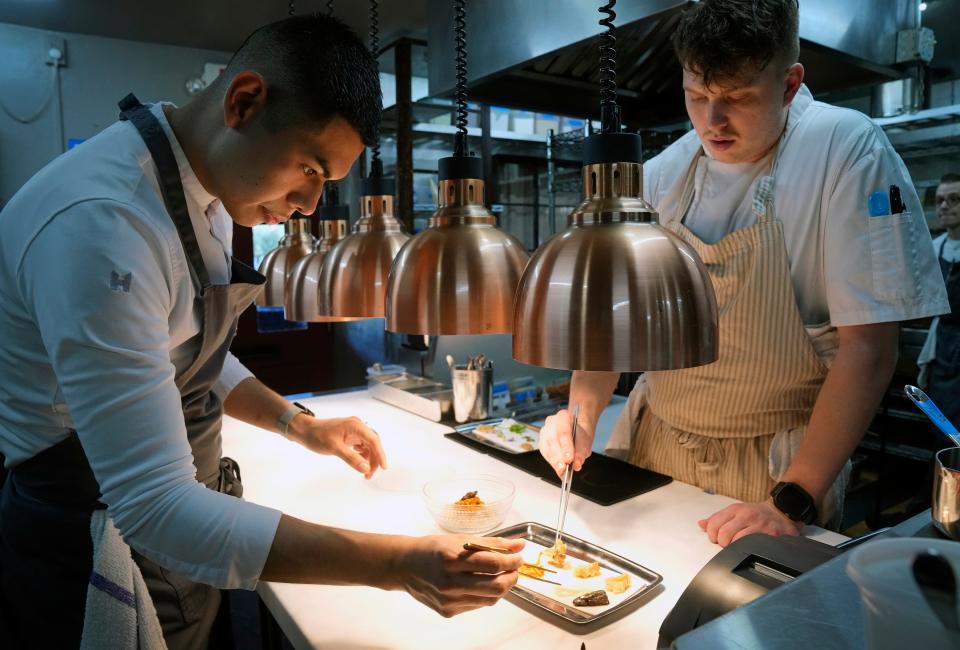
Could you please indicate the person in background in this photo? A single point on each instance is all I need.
(771, 189)
(939, 359)
(119, 298)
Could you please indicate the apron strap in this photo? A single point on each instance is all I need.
(149, 128)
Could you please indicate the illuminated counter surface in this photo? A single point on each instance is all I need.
(657, 529)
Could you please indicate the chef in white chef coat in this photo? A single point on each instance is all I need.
(814, 260)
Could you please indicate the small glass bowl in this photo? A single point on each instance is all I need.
(441, 496)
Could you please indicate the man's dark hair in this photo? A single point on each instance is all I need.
(315, 68)
(950, 178)
(718, 39)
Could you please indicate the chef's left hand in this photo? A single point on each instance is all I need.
(347, 438)
(741, 519)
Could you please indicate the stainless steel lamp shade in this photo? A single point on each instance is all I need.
(276, 265)
(460, 274)
(353, 278)
(300, 300)
(615, 291)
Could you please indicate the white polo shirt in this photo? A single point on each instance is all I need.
(847, 267)
(96, 298)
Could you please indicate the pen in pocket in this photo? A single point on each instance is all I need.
(896, 202)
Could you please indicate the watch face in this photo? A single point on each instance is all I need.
(793, 501)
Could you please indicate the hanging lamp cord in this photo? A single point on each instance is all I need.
(609, 110)
(376, 165)
(329, 7)
(290, 8)
(460, 94)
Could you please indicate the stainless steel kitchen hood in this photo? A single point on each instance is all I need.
(541, 54)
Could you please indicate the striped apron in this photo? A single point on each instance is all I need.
(731, 427)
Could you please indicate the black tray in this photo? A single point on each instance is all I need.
(603, 480)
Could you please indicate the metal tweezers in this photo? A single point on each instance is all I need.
(567, 482)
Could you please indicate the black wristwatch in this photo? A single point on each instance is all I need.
(795, 502)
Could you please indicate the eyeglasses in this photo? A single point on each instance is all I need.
(952, 200)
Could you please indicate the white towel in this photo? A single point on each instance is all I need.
(119, 612)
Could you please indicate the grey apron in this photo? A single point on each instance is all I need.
(45, 547)
(943, 379)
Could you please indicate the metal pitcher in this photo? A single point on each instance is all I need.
(945, 509)
(472, 392)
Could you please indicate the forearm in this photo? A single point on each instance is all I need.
(591, 391)
(310, 553)
(845, 407)
(252, 402)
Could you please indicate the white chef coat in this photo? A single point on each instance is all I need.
(96, 299)
(847, 268)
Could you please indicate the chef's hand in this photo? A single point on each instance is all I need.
(450, 580)
(347, 438)
(741, 519)
(556, 442)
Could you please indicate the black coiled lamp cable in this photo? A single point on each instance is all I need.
(290, 8)
(460, 96)
(609, 110)
(376, 165)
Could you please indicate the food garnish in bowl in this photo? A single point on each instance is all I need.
(469, 499)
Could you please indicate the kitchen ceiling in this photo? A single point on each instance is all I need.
(208, 24)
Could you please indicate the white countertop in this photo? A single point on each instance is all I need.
(657, 529)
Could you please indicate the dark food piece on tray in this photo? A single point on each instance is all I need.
(598, 597)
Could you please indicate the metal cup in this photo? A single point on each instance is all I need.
(472, 392)
(946, 492)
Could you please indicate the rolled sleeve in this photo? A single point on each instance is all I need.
(878, 268)
(233, 373)
(96, 282)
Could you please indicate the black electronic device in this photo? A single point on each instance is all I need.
(603, 480)
(743, 571)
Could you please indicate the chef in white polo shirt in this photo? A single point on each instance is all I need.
(119, 298)
(814, 239)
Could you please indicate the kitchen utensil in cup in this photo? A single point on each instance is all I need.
(945, 506)
(472, 392)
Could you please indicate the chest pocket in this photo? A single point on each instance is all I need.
(893, 247)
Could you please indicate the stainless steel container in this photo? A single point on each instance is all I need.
(946, 492)
(472, 392)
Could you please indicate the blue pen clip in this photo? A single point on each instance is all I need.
(925, 404)
(878, 204)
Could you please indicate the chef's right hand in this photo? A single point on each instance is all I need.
(450, 580)
(556, 441)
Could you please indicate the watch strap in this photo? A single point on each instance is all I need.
(285, 418)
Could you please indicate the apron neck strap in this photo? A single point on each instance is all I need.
(762, 196)
(149, 128)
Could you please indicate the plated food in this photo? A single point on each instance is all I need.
(508, 434)
(577, 581)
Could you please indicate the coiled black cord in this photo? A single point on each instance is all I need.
(290, 8)
(609, 110)
(329, 7)
(460, 95)
(376, 166)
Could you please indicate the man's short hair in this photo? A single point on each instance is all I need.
(315, 68)
(721, 39)
(950, 178)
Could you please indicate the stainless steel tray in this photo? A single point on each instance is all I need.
(425, 397)
(643, 580)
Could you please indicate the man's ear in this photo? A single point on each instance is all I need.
(792, 81)
(245, 98)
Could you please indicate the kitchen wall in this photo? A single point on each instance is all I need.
(98, 73)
